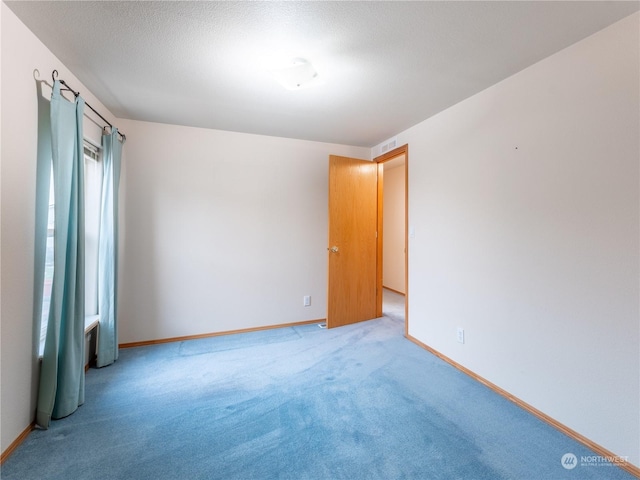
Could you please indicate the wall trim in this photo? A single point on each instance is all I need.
(629, 467)
(394, 290)
(145, 343)
(17, 442)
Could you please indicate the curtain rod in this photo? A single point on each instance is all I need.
(54, 76)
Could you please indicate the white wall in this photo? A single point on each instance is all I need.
(393, 261)
(21, 53)
(221, 230)
(524, 199)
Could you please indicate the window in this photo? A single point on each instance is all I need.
(48, 267)
(92, 196)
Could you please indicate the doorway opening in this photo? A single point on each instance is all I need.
(392, 233)
(393, 305)
(356, 236)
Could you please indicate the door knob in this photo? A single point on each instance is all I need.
(333, 249)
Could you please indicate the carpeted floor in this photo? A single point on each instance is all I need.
(356, 402)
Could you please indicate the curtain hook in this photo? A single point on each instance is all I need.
(54, 75)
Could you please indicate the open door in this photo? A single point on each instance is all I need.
(352, 250)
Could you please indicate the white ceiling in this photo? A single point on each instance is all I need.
(385, 66)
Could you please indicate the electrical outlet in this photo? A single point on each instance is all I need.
(460, 335)
(306, 300)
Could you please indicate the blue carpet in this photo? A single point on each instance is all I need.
(356, 402)
(230, 342)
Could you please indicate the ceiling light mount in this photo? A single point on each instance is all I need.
(299, 73)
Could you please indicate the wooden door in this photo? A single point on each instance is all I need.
(352, 241)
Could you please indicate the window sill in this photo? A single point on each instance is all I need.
(91, 322)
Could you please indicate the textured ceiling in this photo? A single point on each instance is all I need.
(385, 66)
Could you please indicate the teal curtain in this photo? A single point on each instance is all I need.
(108, 250)
(62, 373)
